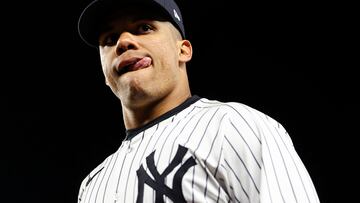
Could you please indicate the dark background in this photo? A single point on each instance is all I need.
(291, 61)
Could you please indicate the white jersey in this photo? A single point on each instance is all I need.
(203, 151)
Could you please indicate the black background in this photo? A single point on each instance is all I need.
(289, 60)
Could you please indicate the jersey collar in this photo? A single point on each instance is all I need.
(132, 132)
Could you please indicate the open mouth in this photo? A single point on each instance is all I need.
(134, 65)
(124, 70)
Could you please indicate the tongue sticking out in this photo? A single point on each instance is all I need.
(143, 63)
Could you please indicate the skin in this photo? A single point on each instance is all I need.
(156, 88)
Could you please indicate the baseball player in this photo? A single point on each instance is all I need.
(180, 147)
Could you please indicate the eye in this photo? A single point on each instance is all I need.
(145, 28)
(109, 39)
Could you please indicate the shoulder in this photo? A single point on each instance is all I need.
(229, 107)
(244, 118)
(234, 110)
(226, 107)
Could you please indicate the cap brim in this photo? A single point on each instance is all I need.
(92, 17)
(90, 20)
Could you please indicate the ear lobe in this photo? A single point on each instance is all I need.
(186, 51)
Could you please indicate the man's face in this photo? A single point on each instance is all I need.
(140, 55)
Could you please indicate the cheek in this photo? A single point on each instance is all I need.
(168, 57)
(167, 71)
(104, 61)
(105, 65)
(110, 78)
(163, 46)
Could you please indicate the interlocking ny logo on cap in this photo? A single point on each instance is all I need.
(176, 15)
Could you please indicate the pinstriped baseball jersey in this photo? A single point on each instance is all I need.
(203, 151)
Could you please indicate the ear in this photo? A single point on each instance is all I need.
(186, 51)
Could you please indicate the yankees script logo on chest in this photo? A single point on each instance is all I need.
(158, 182)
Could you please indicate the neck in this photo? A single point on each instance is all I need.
(141, 115)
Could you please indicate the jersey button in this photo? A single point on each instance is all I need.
(129, 149)
(117, 196)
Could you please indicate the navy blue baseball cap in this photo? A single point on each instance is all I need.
(91, 19)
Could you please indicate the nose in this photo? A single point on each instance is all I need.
(125, 42)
